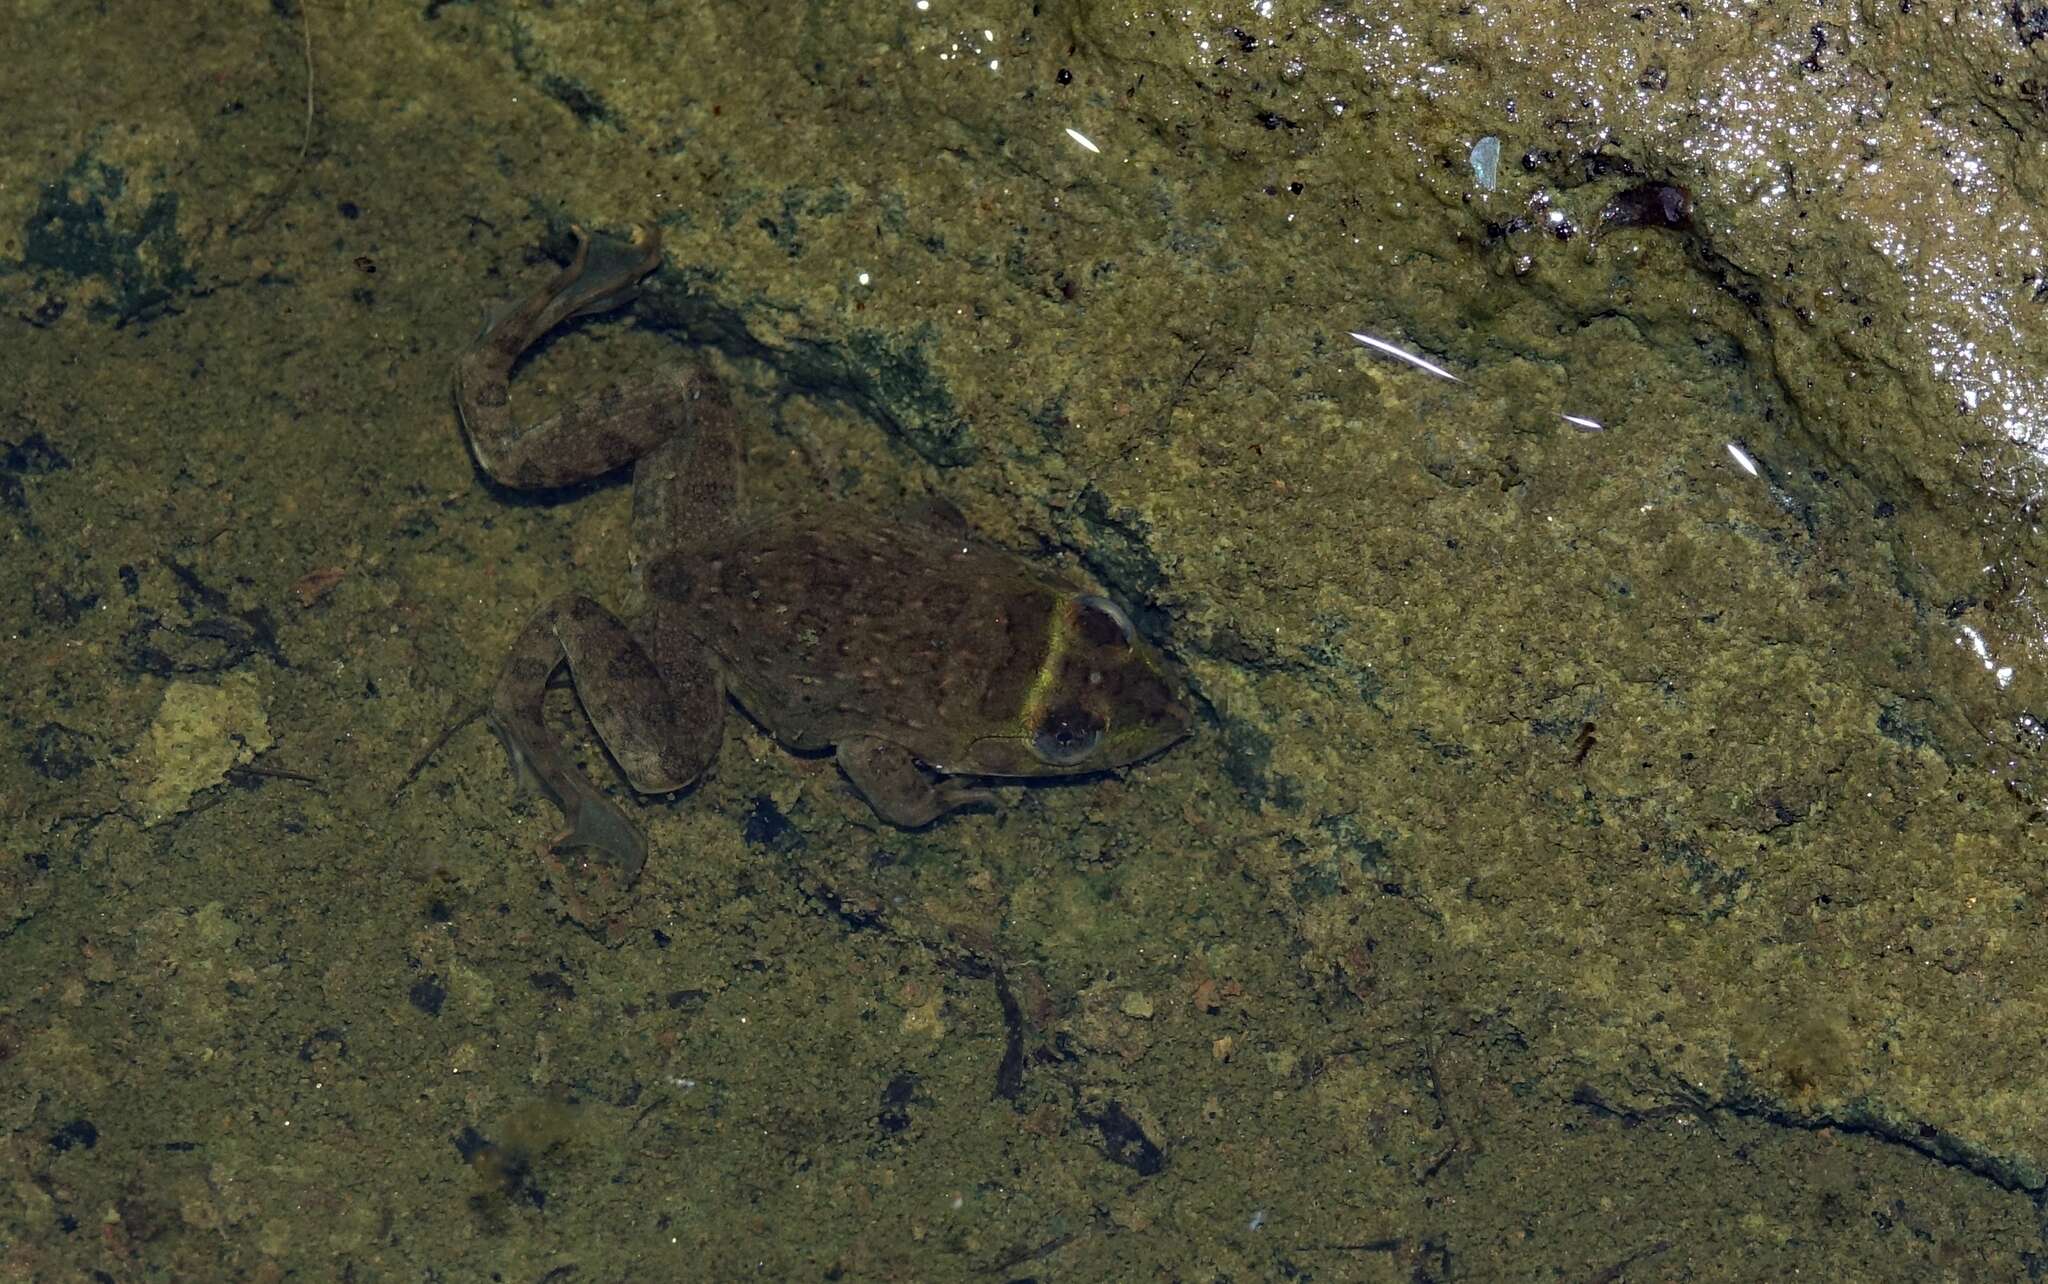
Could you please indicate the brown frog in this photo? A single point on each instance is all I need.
(913, 652)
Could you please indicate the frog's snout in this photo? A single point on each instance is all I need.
(1151, 706)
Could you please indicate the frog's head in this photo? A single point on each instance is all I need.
(1100, 698)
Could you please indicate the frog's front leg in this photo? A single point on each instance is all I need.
(661, 726)
(889, 778)
(596, 434)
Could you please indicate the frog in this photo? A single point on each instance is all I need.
(930, 664)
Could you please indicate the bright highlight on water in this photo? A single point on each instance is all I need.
(1419, 363)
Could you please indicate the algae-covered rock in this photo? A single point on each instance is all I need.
(200, 732)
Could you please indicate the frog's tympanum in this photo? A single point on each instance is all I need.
(912, 651)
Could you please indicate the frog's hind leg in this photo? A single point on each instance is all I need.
(687, 490)
(591, 436)
(662, 733)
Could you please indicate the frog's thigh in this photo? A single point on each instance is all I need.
(589, 437)
(889, 778)
(688, 487)
(661, 726)
(663, 734)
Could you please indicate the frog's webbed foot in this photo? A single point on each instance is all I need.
(603, 273)
(603, 828)
(662, 731)
(889, 778)
(595, 434)
(594, 822)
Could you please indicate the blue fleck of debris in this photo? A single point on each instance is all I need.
(1486, 161)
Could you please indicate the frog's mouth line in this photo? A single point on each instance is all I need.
(991, 757)
(1086, 775)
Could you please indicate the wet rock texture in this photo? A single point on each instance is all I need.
(1613, 847)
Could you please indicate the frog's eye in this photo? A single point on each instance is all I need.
(1066, 736)
(1103, 623)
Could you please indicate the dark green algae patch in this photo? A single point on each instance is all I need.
(78, 235)
(1596, 860)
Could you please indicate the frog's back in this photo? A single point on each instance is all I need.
(839, 624)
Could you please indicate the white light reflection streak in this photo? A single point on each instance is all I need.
(1741, 457)
(1082, 139)
(2002, 674)
(1419, 363)
(1582, 423)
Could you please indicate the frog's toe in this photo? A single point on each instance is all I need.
(953, 796)
(606, 272)
(604, 829)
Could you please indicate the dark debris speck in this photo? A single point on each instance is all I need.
(469, 1143)
(2030, 23)
(552, 983)
(59, 753)
(1125, 1142)
(76, 1134)
(428, 995)
(766, 826)
(896, 1099)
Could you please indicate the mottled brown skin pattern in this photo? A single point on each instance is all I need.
(914, 652)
